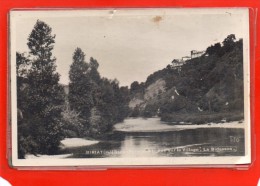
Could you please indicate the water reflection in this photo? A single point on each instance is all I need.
(190, 142)
(137, 146)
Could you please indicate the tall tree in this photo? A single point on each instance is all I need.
(81, 87)
(45, 94)
(229, 42)
(100, 102)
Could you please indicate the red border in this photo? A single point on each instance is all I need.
(169, 176)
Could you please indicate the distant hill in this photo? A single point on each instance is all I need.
(209, 84)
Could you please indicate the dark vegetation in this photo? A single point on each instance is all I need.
(205, 89)
(40, 97)
(202, 117)
(99, 102)
(48, 112)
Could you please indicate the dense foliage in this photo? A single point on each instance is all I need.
(100, 102)
(211, 83)
(40, 97)
(48, 112)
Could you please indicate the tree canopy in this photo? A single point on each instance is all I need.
(43, 96)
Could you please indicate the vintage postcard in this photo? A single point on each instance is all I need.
(130, 87)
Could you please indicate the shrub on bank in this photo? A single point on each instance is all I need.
(202, 118)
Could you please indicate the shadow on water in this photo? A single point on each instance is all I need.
(190, 142)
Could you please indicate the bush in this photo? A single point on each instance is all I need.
(202, 118)
(72, 123)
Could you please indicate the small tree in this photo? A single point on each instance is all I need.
(134, 87)
(73, 124)
(22, 63)
(229, 42)
(26, 144)
(229, 39)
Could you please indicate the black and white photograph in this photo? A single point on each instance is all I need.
(130, 87)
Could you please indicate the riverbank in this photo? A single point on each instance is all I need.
(67, 143)
(202, 118)
(156, 125)
(44, 156)
(76, 142)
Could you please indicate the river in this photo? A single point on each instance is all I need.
(138, 137)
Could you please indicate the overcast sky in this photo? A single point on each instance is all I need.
(129, 45)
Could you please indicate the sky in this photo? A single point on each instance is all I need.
(128, 44)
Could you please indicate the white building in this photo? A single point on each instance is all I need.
(195, 53)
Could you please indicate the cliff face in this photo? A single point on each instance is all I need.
(209, 83)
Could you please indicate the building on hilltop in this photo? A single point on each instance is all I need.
(177, 63)
(195, 53)
(185, 58)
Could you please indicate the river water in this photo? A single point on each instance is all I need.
(152, 138)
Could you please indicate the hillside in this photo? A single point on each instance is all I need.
(209, 85)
